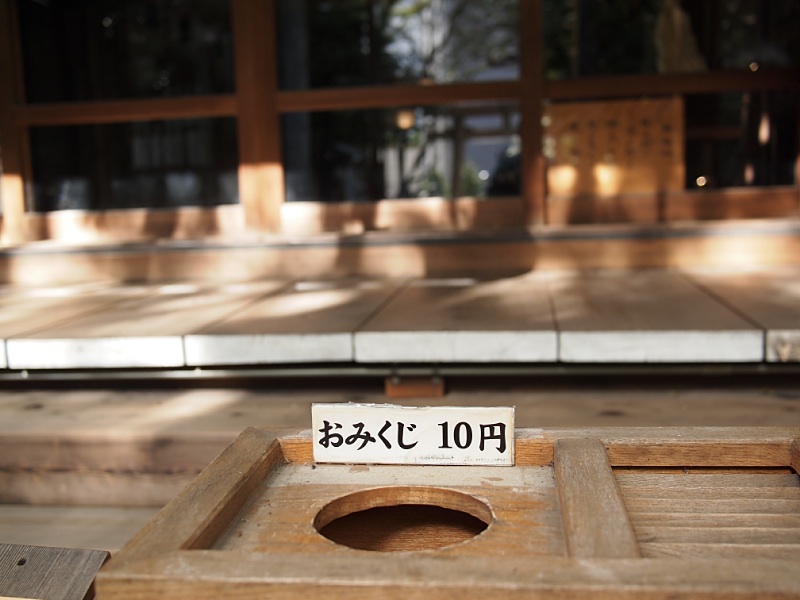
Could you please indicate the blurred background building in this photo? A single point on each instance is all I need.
(151, 120)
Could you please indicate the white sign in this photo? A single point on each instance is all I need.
(399, 435)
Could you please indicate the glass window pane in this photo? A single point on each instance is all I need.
(113, 49)
(368, 155)
(154, 164)
(740, 139)
(585, 38)
(365, 42)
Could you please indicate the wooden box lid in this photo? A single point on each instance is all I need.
(591, 513)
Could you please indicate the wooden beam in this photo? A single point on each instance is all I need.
(795, 456)
(394, 95)
(532, 165)
(596, 523)
(215, 496)
(261, 186)
(12, 137)
(123, 111)
(715, 82)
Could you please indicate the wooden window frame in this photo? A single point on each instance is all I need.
(258, 104)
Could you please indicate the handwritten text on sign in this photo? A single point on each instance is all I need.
(398, 435)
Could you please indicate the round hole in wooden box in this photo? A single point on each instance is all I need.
(403, 519)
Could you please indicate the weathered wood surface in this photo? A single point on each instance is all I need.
(771, 299)
(246, 525)
(311, 321)
(586, 317)
(648, 316)
(143, 332)
(99, 527)
(714, 515)
(48, 573)
(462, 320)
(596, 523)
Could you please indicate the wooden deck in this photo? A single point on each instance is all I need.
(598, 317)
(88, 467)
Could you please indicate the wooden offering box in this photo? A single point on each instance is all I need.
(617, 513)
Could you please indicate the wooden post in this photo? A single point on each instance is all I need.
(596, 523)
(12, 136)
(532, 163)
(261, 187)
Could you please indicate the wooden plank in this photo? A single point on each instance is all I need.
(719, 535)
(312, 321)
(794, 461)
(28, 312)
(721, 551)
(145, 332)
(198, 515)
(622, 86)
(112, 448)
(670, 446)
(716, 505)
(711, 520)
(638, 479)
(769, 298)
(394, 95)
(100, 527)
(48, 573)
(462, 320)
(596, 523)
(80, 487)
(125, 111)
(207, 574)
(649, 316)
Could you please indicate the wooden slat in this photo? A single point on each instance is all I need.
(394, 95)
(794, 461)
(653, 316)
(312, 321)
(205, 575)
(197, 516)
(719, 535)
(144, 332)
(461, 320)
(124, 111)
(638, 479)
(710, 492)
(720, 551)
(113, 448)
(24, 313)
(770, 299)
(80, 487)
(652, 447)
(100, 527)
(596, 523)
(671, 84)
(712, 520)
(48, 573)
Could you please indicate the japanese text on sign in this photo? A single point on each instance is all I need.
(384, 434)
